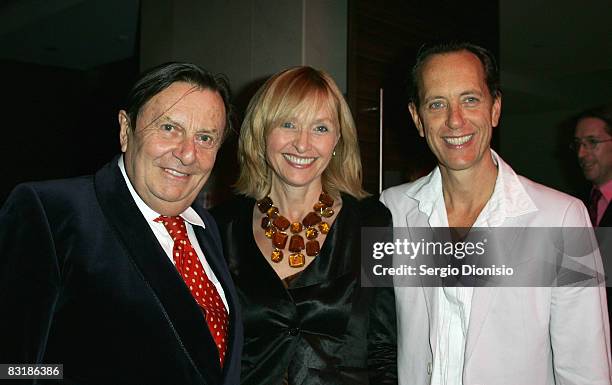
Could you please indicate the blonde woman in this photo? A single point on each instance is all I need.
(292, 240)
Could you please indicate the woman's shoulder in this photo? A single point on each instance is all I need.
(370, 210)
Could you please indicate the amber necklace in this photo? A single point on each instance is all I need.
(275, 225)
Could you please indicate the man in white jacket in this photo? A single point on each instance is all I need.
(487, 335)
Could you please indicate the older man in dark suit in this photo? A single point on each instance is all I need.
(116, 275)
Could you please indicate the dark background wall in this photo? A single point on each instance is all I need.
(60, 122)
(384, 38)
(67, 65)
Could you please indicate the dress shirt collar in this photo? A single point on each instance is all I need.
(189, 214)
(606, 190)
(431, 199)
(509, 198)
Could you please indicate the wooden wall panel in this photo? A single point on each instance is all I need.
(384, 37)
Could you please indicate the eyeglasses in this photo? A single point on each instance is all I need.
(589, 143)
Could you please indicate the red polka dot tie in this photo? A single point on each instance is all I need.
(201, 288)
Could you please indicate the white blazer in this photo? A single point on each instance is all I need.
(516, 335)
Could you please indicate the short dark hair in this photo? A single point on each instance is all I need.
(484, 55)
(603, 113)
(157, 79)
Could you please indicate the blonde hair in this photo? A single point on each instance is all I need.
(298, 89)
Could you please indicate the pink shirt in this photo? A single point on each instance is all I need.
(602, 205)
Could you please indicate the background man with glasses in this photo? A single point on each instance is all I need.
(593, 146)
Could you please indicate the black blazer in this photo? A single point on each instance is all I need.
(324, 328)
(604, 238)
(85, 283)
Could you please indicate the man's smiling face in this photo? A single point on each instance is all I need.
(457, 112)
(172, 150)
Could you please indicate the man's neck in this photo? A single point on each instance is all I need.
(466, 192)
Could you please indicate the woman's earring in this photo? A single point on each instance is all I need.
(334, 153)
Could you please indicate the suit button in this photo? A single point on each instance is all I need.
(429, 368)
(294, 331)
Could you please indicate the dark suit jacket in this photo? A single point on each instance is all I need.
(604, 237)
(85, 283)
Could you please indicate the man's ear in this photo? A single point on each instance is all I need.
(496, 110)
(414, 112)
(124, 130)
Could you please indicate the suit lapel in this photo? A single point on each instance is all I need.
(157, 271)
(482, 298)
(502, 244)
(417, 230)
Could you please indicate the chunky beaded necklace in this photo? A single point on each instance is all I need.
(274, 225)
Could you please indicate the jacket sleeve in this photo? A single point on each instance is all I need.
(382, 337)
(382, 331)
(29, 277)
(579, 326)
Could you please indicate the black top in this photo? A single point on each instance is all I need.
(323, 328)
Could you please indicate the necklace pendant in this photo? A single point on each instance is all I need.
(324, 227)
(311, 233)
(312, 248)
(326, 199)
(296, 227)
(296, 244)
(311, 219)
(279, 239)
(281, 222)
(277, 255)
(327, 212)
(264, 204)
(270, 231)
(297, 260)
(265, 223)
(272, 212)
(278, 228)
(318, 206)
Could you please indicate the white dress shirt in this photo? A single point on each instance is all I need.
(191, 219)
